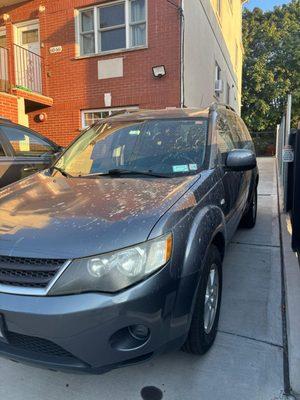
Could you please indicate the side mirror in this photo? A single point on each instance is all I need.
(58, 151)
(241, 160)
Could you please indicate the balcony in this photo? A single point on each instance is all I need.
(22, 73)
(28, 70)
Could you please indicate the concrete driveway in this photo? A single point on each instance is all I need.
(246, 362)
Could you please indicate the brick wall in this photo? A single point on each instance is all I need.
(9, 107)
(73, 83)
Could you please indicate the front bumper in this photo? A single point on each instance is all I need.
(74, 332)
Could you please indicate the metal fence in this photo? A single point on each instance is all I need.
(4, 75)
(293, 189)
(265, 143)
(281, 141)
(28, 67)
(288, 157)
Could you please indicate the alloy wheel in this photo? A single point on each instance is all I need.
(211, 298)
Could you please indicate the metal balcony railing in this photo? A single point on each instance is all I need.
(4, 74)
(28, 69)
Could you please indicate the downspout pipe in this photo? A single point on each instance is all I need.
(182, 42)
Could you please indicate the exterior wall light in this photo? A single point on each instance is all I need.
(42, 117)
(6, 17)
(159, 71)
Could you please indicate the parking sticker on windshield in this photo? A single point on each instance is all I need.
(193, 167)
(180, 168)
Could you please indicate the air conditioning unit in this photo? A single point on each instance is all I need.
(219, 86)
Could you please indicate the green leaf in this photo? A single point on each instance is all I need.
(271, 66)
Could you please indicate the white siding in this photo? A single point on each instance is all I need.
(204, 46)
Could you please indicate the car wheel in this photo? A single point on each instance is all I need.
(249, 219)
(206, 313)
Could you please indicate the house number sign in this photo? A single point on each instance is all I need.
(56, 49)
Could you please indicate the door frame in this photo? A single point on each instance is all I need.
(28, 72)
(18, 29)
(3, 31)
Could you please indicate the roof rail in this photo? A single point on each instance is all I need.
(4, 118)
(215, 105)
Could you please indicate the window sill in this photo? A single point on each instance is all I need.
(105, 53)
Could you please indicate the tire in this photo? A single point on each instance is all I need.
(249, 219)
(202, 335)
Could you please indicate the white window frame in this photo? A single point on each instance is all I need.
(128, 24)
(79, 32)
(218, 76)
(24, 26)
(109, 110)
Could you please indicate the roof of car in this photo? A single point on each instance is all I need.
(161, 114)
(6, 120)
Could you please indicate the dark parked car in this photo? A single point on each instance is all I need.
(23, 152)
(114, 254)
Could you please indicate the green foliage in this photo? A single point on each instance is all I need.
(271, 65)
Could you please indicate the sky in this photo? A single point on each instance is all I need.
(265, 4)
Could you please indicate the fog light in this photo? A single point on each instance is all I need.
(139, 332)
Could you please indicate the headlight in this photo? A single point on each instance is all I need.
(114, 271)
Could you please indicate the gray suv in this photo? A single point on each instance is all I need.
(114, 254)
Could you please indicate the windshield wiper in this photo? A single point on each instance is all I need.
(117, 171)
(62, 171)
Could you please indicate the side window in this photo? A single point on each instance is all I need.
(26, 144)
(225, 141)
(2, 153)
(237, 133)
(248, 142)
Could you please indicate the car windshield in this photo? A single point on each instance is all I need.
(169, 147)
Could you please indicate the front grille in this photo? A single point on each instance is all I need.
(28, 272)
(37, 345)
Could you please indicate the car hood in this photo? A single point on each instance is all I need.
(56, 217)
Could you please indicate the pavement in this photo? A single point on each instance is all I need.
(246, 362)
